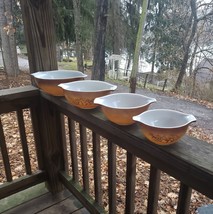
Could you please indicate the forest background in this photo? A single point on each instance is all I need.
(177, 39)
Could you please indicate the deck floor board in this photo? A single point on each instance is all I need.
(61, 203)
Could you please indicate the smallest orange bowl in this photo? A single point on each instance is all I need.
(164, 126)
(82, 93)
(119, 108)
(48, 81)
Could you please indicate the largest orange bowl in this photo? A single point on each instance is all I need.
(48, 81)
(82, 93)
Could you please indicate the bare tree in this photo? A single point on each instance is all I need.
(192, 29)
(78, 42)
(8, 38)
(98, 72)
(138, 47)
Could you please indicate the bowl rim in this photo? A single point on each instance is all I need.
(99, 101)
(42, 75)
(191, 118)
(66, 86)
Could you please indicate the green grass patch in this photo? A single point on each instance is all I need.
(71, 65)
(68, 65)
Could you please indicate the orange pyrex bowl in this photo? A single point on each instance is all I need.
(48, 81)
(82, 93)
(119, 108)
(164, 126)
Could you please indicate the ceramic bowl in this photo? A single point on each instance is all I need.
(119, 108)
(164, 126)
(48, 81)
(82, 93)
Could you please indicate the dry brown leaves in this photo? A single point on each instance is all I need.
(168, 197)
(201, 102)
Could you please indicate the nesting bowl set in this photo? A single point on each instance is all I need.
(160, 126)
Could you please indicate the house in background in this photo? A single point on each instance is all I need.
(204, 73)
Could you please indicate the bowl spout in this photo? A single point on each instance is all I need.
(190, 118)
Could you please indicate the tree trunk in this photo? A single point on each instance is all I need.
(138, 47)
(78, 43)
(115, 23)
(9, 53)
(99, 40)
(40, 34)
(193, 57)
(12, 38)
(187, 47)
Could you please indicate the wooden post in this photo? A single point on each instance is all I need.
(40, 34)
(164, 85)
(52, 144)
(145, 80)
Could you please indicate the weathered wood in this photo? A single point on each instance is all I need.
(24, 141)
(18, 98)
(130, 183)
(189, 160)
(184, 199)
(164, 85)
(84, 157)
(145, 81)
(3, 149)
(63, 202)
(79, 193)
(97, 167)
(52, 143)
(74, 157)
(64, 142)
(18, 198)
(22, 183)
(154, 187)
(112, 176)
(39, 34)
(34, 112)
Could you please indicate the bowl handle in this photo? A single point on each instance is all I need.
(191, 118)
(98, 100)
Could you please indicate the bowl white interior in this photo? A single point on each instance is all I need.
(164, 118)
(124, 100)
(87, 86)
(58, 74)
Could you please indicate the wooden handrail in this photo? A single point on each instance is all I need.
(17, 99)
(190, 160)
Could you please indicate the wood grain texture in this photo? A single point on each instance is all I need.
(189, 160)
(39, 34)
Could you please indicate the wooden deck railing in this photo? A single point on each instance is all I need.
(16, 100)
(69, 150)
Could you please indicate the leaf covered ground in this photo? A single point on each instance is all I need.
(169, 186)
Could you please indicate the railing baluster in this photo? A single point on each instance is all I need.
(64, 142)
(154, 186)
(34, 112)
(97, 167)
(24, 141)
(184, 199)
(5, 156)
(74, 156)
(84, 157)
(112, 176)
(130, 183)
